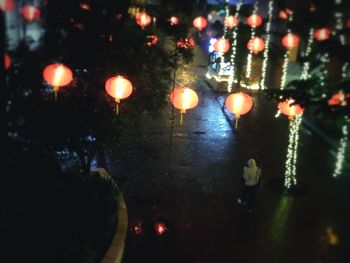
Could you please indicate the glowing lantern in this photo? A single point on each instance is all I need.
(174, 21)
(312, 7)
(7, 61)
(290, 41)
(119, 88)
(239, 104)
(339, 99)
(137, 228)
(6, 5)
(57, 75)
(322, 34)
(290, 110)
(254, 20)
(30, 13)
(85, 6)
(143, 20)
(283, 15)
(200, 23)
(152, 40)
(348, 23)
(160, 228)
(231, 21)
(183, 99)
(256, 45)
(222, 45)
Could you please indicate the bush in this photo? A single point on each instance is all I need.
(50, 216)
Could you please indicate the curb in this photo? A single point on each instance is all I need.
(115, 251)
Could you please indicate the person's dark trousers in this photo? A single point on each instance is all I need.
(248, 196)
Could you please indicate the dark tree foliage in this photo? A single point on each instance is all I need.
(96, 44)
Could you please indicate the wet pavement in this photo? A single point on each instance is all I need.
(190, 180)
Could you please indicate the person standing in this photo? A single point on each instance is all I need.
(251, 177)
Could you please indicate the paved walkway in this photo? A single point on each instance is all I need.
(196, 196)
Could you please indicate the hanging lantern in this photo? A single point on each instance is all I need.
(6, 5)
(119, 88)
(222, 45)
(254, 20)
(340, 99)
(183, 99)
(239, 104)
(85, 6)
(290, 110)
(283, 15)
(151, 40)
(57, 75)
(30, 13)
(160, 228)
(174, 21)
(348, 23)
(312, 7)
(256, 45)
(7, 61)
(322, 34)
(231, 22)
(290, 41)
(200, 23)
(143, 20)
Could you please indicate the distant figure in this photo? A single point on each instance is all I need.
(251, 177)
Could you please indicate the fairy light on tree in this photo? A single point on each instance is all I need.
(252, 35)
(339, 22)
(324, 70)
(234, 50)
(267, 45)
(294, 113)
(290, 41)
(306, 64)
(340, 158)
(227, 13)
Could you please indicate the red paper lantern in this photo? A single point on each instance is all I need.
(290, 110)
(151, 40)
(200, 23)
(30, 13)
(283, 15)
(339, 99)
(239, 103)
(256, 45)
(160, 228)
(255, 20)
(231, 22)
(143, 20)
(6, 5)
(312, 7)
(85, 6)
(322, 34)
(184, 99)
(174, 21)
(119, 88)
(222, 45)
(290, 41)
(57, 75)
(7, 61)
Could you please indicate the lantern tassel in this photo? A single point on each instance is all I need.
(117, 109)
(181, 119)
(55, 91)
(236, 123)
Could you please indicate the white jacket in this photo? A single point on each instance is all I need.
(251, 173)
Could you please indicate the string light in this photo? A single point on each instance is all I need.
(227, 13)
(341, 152)
(324, 71)
(286, 58)
(340, 158)
(339, 24)
(252, 35)
(306, 65)
(267, 45)
(233, 54)
(292, 152)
